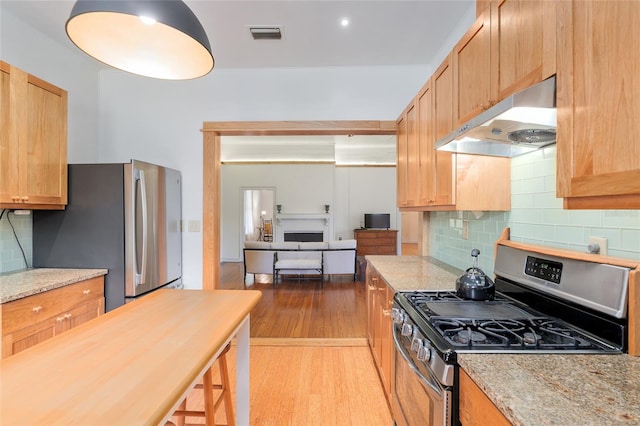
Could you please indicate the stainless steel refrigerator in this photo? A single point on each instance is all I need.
(122, 217)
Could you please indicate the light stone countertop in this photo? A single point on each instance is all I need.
(533, 389)
(16, 285)
(566, 389)
(410, 273)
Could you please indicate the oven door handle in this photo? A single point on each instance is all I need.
(432, 385)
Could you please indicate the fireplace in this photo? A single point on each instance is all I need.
(303, 227)
(314, 237)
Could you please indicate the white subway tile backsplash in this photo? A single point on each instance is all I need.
(536, 217)
(630, 239)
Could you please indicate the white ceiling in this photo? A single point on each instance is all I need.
(380, 33)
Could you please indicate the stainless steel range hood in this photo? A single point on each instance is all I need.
(522, 123)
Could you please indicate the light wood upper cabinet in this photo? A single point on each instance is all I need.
(446, 181)
(523, 37)
(442, 105)
(401, 162)
(428, 168)
(472, 71)
(33, 154)
(598, 153)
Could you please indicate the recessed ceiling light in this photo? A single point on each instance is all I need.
(344, 22)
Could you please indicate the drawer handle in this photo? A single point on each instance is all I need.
(60, 319)
(25, 198)
(67, 316)
(87, 291)
(37, 309)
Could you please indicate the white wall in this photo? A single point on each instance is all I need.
(160, 121)
(350, 191)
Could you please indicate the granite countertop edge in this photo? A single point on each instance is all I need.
(533, 389)
(20, 284)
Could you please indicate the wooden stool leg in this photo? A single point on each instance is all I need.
(226, 389)
(181, 407)
(209, 403)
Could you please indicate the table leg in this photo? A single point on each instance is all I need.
(242, 374)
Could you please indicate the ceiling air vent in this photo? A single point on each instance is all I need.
(266, 33)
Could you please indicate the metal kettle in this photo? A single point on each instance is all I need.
(474, 284)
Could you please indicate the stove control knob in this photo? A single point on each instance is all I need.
(424, 353)
(416, 344)
(398, 315)
(407, 329)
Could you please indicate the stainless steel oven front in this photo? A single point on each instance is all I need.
(423, 383)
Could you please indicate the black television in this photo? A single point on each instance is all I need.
(377, 220)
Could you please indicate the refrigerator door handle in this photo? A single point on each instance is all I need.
(141, 272)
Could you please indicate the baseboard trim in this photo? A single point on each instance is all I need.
(293, 341)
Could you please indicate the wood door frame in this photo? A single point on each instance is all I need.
(212, 132)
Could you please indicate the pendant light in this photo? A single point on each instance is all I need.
(153, 38)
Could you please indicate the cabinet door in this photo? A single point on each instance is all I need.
(413, 157)
(475, 408)
(442, 85)
(27, 337)
(371, 306)
(401, 164)
(473, 91)
(427, 173)
(523, 37)
(386, 300)
(9, 152)
(598, 154)
(44, 180)
(79, 315)
(33, 155)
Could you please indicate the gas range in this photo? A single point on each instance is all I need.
(544, 303)
(455, 325)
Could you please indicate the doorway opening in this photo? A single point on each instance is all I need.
(258, 212)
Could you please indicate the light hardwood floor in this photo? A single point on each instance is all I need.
(310, 363)
(303, 309)
(308, 385)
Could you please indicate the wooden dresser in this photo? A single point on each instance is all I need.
(376, 241)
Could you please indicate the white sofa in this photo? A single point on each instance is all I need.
(300, 258)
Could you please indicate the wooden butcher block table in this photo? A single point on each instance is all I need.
(131, 366)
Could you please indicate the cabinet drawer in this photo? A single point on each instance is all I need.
(30, 310)
(83, 292)
(382, 241)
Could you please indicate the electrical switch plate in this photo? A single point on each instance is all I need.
(194, 226)
(601, 242)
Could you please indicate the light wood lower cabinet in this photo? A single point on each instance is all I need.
(34, 319)
(379, 326)
(475, 408)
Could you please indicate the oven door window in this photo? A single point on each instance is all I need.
(419, 397)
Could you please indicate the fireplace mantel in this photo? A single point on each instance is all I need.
(303, 216)
(303, 222)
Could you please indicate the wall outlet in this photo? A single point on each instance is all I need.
(600, 242)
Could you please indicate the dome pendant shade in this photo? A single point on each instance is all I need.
(153, 38)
